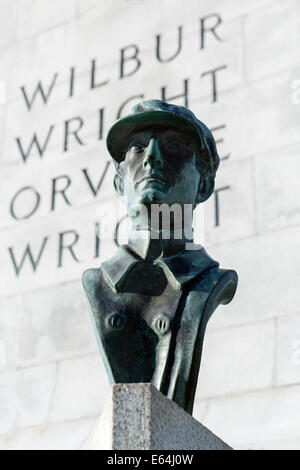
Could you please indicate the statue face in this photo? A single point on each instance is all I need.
(160, 167)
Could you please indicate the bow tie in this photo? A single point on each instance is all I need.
(143, 278)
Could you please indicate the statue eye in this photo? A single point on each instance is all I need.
(177, 147)
(137, 147)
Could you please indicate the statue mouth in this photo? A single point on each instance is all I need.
(153, 178)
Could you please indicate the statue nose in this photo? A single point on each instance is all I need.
(153, 157)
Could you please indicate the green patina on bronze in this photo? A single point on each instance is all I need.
(150, 303)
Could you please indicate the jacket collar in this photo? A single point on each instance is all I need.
(179, 269)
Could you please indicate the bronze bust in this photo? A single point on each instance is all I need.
(150, 303)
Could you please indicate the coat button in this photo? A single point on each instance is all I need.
(116, 321)
(162, 324)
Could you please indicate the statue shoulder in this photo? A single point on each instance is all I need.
(90, 277)
(220, 284)
(223, 286)
(95, 283)
(214, 287)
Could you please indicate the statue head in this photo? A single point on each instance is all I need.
(163, 155)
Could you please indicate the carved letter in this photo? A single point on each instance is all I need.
(182, 95)
(94, 189)
(39, 89)
(72, 79)
(59, 191)
(69, 247)
(33, 210)
(27, 253)
(214, 81)
(74, 132)
(158, 45)
(93, 76)
(97, 242)
(34, 142)
(204, 29)
(101, 119)
(217, 206)
(124, 59)
(221, 139)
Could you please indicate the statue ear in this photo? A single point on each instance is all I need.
(206, 187)
(118, 184)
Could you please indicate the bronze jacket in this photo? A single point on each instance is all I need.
(150, 318)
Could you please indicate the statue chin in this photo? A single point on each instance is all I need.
(153, 196)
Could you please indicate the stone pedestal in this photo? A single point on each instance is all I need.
(138, 417)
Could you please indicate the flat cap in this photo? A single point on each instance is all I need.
(161, 114)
